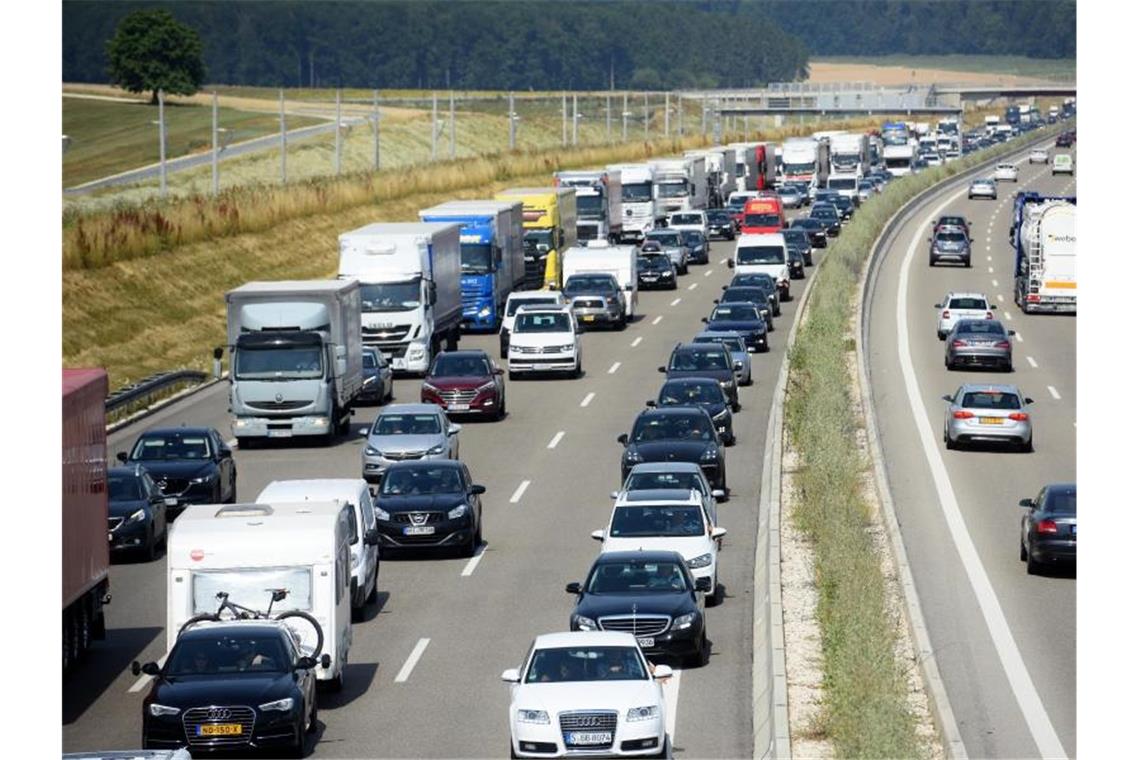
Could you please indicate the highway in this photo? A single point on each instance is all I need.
(1005, 641)
(423, 678)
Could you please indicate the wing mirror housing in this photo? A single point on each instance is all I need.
(326, 661)
(598, 535)
(1026, 503)
(574, 588)
(623, 439)
(511, 675)
(454, 429)
(150, 668)
(948, 398)
(364, 432)
(476, 490)
(305, 663)
(718, 532)
(122, 457)
(731, 264)
(1028, 401)
(718, 493)
(651, 403)
(661, 672)
(704, 584)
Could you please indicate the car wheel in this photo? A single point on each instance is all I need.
(941, 335)
(931, 261)
(1032, 566)
(502, 412)
(701, 657)
(674, 285)
(1021, 549)
(1009, 366)
(297, 749)
(375, 591)
(151, 551)
(512, 375)
(514, 755)
(951, 444)
(967, 262)
(233, 492)
(1027, 447)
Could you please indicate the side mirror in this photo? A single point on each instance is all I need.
(938, 306)
(719, 532)
(326, 661)
(738, 365)
(364, 432)
(705, 320)
(948, 399)
(511, 675)
(723, 287)
(651, 403)
(661, 369)
(574, 588)
(476, 490)
(1025, 503)
(1028, 401)
(371, 537)
(1011, 332)
(454, 429)
(306, 663)
(930, 240)
(598, 535)
(218, 353)
(623, 439)
(121, 456)
(731, 264)
(613, 494)
(225, 454)
(661, 672)
(497, 370)
(717, 300)
(704, 584)
(718, 493)
(993, 305)
(150, 668)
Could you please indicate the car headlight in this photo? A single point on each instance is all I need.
(137, 516)
(583, 623)
(371, 452)
(382, 514)
(567, 348)
(203, 478)
(458, 512)
(487, 386)
(436, 449)
(429, 387)
(710, 455)
(369, 380)
(726, 384)
(533, 716)
(682, 622)
(631, 455)
(702, 561)
(280, 705)
(649, 712)
(159, 711)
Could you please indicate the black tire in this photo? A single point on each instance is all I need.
(1009, 366)
(512, 375)
(950, 444)
(1032, 566)
(1027, 447)
(502, 410)
(674, 285)
(966, 263)
(701, 657)
(150, 551)
(233, 492)
(336, 685)
(931, 261)
(371, 598)
(1021, 549)
(313, 716)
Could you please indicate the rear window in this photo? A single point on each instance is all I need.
(514, 304)
(686, 219)
(990, 400)
(978, 327)
(976, 304)
(1061, 501)
(951, 237)
(696, 360)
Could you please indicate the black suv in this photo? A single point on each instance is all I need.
(721, 224)
(703, 392)
(756, 295)
(758, 280)
(655, 270)
(190, 465)
(829, 215)
(429, 504)
(704, 360)
(797, 238)
(678, 433)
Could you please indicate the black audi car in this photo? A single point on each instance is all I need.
(190, 465)
(743, 318)
(655, 270)
(712, 360)
(650, 594)
(682, 434)
(231, 687)
(756, 295)
(795, 263)
(136, 512)
(698, 246)
(758, 280)
(816, 230)
(721, 224)
(829, 215)
(429, 504)
(703, 392)
(1049, 528)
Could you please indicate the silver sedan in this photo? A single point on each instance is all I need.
(983, 188)
(979, 343)
(978, 413)
(407, 431)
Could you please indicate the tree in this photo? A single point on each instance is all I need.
(153, 51)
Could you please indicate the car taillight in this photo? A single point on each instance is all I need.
(1047, 526)
(1004, 344)
(959, 344)
(989, 315)
(1019, 416)
(963, 415)
(946, 315)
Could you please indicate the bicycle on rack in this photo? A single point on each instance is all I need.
(240, 612)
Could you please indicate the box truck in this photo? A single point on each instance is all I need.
(603, 258)
(720, 173)
(597, 195)
(682, 183)
(747, 165)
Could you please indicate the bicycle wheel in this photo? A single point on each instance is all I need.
(312, 621)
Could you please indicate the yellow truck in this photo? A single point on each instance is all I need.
(550, 226)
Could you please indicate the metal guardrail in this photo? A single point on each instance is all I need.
(144, 389)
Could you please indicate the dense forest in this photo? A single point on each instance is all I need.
(576, 45)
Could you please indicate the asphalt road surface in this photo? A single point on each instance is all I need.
(557, 456)
(1005, 641)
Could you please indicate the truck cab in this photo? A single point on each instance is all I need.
(763, 215)
(641, 210)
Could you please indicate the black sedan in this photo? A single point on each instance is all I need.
(136, 512)
(698, 246)
(703, 392)
(721, 224)
(795, 263)
(761, 280)
(759, 297)
(650, 594)
(681, 434)
(429, 504)
(655, 270)
(815, 228)
(829, 215)
(1049, 528)
(232, 687)
(743, 318)
(711, 360)
(798, 238)
(190, 465)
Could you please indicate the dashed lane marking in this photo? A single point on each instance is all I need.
(691, 287)
(517, 495)
(614, 368)
(586, 401)
(636, 342)
(1032, 361)
(1053, 392)
(675, 301)
(557, 437)
(413, 658)
(656, 319)
(474, 561)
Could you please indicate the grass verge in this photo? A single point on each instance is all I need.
(865, 710)
(1061, 69)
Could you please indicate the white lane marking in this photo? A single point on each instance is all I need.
(1019, 338)
(613, 369)
(474, 561)
(724, 261)
(1053, 392)
(708, 273)
(141, 684)
(995, 282)
(1033, 710)
(1001, 298)
(1007, 315)
(586, 401)
(990, 258)
(672, 689)
(991, 270)
(692, 287)
(636, 342)
(413, 658)
(656, 319)
(557, 437)
(1032, 361)
(519, 492)
(675, 301)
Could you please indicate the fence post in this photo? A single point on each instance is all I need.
(624, 116)
(451, 106)
(609, 130)
(666, 114)
(575, 127)
(646, 115)
(336, 158)
(434, 124)
(511, 117)
(214, 147)
(281, 106)
(376, 130)
(162, 143)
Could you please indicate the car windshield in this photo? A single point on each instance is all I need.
(369, 360)
(171, 446)
(693, 239)
(761, 220)
(950, 237)
(637, 576)
(672, 427)
(406, 424)
(421, 481)
(653, 263)
(671, 522)
(976, 304)
(698, 359)
(979, 327)
(389, 296)
(735, 311)
(514, 304)
(272, 362)
(539, 323)
(229, 655)
(666, 238)
(796, 236)
(672, 190)
(845, 183)
(681, 392)
(807, 223)
(736, 202)
(123, 488)
(802, 168)
(990, 400)
(685, 219)
(1061, 501)
(450, 365)
(572, 664)
(956, 221)
(589, 206)
(588, 283)
(734, 344)
(760, 254)
(744, 295)
(682, 481)
(755, 280)
(637, 192)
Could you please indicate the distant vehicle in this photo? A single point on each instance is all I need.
(704, 392)
(655, 270)
(136, 512)
(982, 188)
(763, 215)
(961, 305)
(798, 238)
(741, 359)
(743, 318)
(766, 254)
(688, 220)
(790, 196)
(1039, 156)
(190, 465)
(950, 243)
(1005, 173)
(795, 263)
(377, 376)
(979, 413)
(698, 245)
(1049, 528)
(407, 431)
(466, 382)
(545, 340)
(758, 295)
(721, 225)
(829, 215)
(1062, 164)
(1044, 239)
(979, 343)
(1064, 140)
(815, 228)
(683, 434)
(865, 189)
(429, 505)
(596, 299)
(759, 280)
(674, 245)
(704, 360)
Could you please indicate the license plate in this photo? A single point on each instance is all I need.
(992, 420)
(579, 738)
(419, 530)
(170, 502)
(588, 317)
(645, 641)
(220, 729)
(279, 433)
(458, 407)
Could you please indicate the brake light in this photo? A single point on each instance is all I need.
(1047, 526)
(989, 315)
(1033, 298)
(1003, 344)
(1019, 417)
(959, 344)
(962, 414)
(946, 314)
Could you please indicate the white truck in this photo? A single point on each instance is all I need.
(682, 183)
(747, 165)
(598, 195)
(296, 364)
(1044, 238)
(806, 160)
(850, 154)
(248, 550)
(899, 159)
(600, 257)
(409, 274)
(641, 209)
(720, 172)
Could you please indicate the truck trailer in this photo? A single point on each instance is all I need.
(597, 196)
(641, 209)
(1044, 240)
(550, 226)
(682, 184)
(720, 173)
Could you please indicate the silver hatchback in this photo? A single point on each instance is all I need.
(979, 413)
(407, 431)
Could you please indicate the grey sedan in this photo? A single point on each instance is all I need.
(979, 343)
(979, 413)
(407, 431)
(983, 188)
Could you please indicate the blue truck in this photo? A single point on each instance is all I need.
(491, 248)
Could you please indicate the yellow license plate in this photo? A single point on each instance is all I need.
(220, 729)
(588, 317)
(992, 420)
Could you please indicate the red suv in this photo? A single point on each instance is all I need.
(465, 382)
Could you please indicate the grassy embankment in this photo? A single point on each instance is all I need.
(865, 711)
(1061, 69)
(143, 286)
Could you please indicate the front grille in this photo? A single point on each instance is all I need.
(172, 486)
(418, 518)
(552, 349)
(527, 349)
(641, 625)
(198, 716)
(458, 396)
(544, 360)
(399, 456)
(600, 720)
(114, 522)
(277, 406)
(377, 334)
(589, 303)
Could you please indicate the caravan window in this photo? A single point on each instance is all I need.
(251, 588)
(353, 531)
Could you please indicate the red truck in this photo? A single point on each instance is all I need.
(766, 166)
(86, 559)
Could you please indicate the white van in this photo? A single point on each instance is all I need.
(364, 536)
(767, 253)
(524, 298)
(247, 549)
(598, 256)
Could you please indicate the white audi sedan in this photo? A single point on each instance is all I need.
(587, 693)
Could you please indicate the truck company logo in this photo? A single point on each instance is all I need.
(1061, 238)
(470, 238)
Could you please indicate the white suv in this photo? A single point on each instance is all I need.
(545, 339)
(957, 306)
(1007, 172)
(666, 520)
(689, 220)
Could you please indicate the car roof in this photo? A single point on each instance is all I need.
(966, 294)
(553, 294)
(409, 409)
(670, 495)
(691, 346)
(983, 387)
(584, 638)
(316, 489)
(717, 334)
(764, 238)
(675, 410)
(545, 309)
(425, 464)
(467, 353)
(666, 467)
(181, 430)
(211, 629)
